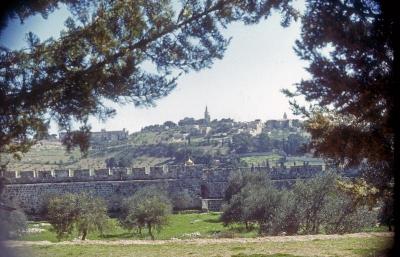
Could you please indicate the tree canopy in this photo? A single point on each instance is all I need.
(352, 48)
(82, 212)
(101, 55)
(148, 207)
(306, 207)
(351, 51)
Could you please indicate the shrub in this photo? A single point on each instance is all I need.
(182, 200)
(13, 224)
(233, 212)
(13, 221)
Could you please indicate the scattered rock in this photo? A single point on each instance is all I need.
(34, 230)
(191, 235)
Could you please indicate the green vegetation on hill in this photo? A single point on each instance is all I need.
(223, 142)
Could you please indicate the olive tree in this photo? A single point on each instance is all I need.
(252, 198)
(343, 215)
(62, 212)
(92, 215)
(233, 211)
(311, 196)
(148, 207)
(322, 203)
(83, 212)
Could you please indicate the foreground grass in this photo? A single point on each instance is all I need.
(180, 226)
(352, 247)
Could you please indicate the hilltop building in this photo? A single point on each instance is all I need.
(254, 128)
(189, 162)
(207, 117)
(284, 123)
(204, 130)
(103, 136)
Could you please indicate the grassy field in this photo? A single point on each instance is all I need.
(181, 226)
(345, 246)
(260, 159)
(198, 234)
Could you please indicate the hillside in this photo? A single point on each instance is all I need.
(217, 142)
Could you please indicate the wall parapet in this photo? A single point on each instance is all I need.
(114, 174)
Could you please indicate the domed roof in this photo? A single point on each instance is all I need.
(189, 162)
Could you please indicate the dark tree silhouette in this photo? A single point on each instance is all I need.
(351, 51)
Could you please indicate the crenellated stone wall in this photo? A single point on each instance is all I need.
(31, 189)
(32, 197)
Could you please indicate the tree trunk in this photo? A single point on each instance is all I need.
(150, 233)
(84, 234)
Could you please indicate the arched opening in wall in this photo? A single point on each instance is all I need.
(204, 191)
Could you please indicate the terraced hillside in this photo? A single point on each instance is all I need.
(218, 142)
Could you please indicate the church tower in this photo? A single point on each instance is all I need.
(207, 117)
(285, 116)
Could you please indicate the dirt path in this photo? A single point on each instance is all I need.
(202, 241)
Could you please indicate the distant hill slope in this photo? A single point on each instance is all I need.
(223, 142)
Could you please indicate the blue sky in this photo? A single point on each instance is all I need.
(244, 85)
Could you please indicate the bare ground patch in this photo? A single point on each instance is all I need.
(204, 241)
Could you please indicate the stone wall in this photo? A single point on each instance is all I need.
(33, 197)
(30, 189)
